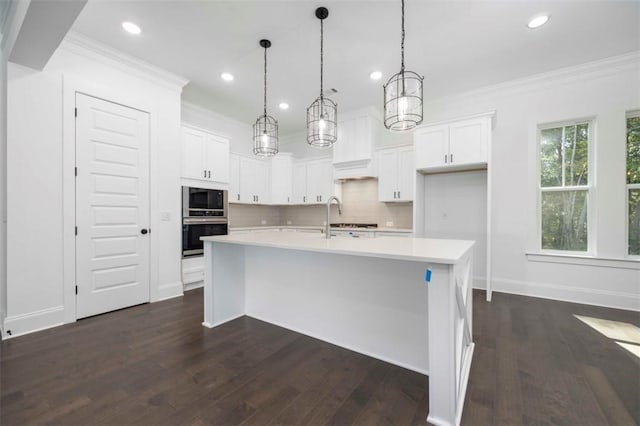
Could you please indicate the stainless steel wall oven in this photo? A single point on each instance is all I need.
(204, 213)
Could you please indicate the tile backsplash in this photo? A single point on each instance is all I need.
(359, 204)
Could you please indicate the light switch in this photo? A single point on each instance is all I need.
(165, 216)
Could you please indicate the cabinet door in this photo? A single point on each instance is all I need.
(432, 147)
(388, 175)
(261, 181)
(193, 142)
(216, 158)
(341, 149)
(247, 179)
(406, 174)
(319, 181)
(299, 184)
(234, 179)
(468, 141)
(281, 174)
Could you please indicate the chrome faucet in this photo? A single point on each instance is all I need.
(327, 230)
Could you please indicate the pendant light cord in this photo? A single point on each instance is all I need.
(402, 42)
(321, 56)
(265, 81)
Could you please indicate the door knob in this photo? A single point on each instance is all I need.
(143, 231)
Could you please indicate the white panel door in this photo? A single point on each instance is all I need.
(112, 206)
(388, 175)
(468, 142)
(193, 142)
(216, 154)
(432, 147)
(406, 174)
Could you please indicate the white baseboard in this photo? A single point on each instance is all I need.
(193, 285)
(18, 325)
(596, 297)
(169, 291)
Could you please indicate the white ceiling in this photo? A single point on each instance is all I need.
(456, 45)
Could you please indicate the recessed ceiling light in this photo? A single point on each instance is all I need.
(376, 75)
(284, 105)
(132, 28)
(226, 76)
(538, 21)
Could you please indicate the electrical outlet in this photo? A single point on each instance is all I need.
(263, 222)
(389, 224)
(165, 216)
(289, 222)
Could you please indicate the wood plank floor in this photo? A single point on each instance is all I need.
(535, 363)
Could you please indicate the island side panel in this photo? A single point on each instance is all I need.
(374, 306)
(224, 282)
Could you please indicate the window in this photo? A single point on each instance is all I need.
(564, 187)
(633, 184)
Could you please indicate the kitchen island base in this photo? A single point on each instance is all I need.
(381, 307)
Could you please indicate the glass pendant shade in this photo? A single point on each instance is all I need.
(403, 101)
(265, 129)
(265, 136)
(322, 123)
(322, 115)
(403, 95)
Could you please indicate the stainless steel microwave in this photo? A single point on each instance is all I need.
(202, 202)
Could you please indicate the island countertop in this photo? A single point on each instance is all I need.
(411, 249)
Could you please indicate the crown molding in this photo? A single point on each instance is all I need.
(589, 70)
(89, 48)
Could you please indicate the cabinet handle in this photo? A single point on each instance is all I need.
(209, 174)
(257, 198)
(238, 197)
(445, 158)
(205, 174)
(451, 159)
(321, 198)
(394, 195)
(288, 201)
(304, 198)
(398, 195)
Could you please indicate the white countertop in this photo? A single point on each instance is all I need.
(412, 249)
(318, 227)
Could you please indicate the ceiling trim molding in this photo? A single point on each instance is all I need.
(589, 70)
(89, 48)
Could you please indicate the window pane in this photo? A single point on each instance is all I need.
(551, 157)
(576, 155)
(633, 150)
(564, 220)
(634, 221)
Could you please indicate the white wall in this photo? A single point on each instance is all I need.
(39, 279)
(604, 90)
(237, 132)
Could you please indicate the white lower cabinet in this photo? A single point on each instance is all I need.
(395, 174)
(192, 272)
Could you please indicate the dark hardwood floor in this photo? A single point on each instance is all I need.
(535, 363)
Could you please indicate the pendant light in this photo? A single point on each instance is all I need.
(265, 129)
(403, 96)
(322, 115)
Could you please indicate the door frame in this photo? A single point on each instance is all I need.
(72, 85)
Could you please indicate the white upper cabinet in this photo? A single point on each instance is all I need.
(299, 184)
(234, 178)
(281, 179)
(254, 181)
(319, 181)
(395, 174)
(458, 145)
(358, 133)
(205, 156)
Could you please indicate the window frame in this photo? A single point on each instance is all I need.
(589, 188)
(628, 186)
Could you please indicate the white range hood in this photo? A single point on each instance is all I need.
(358, 134)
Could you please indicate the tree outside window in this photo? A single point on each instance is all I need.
(564, 187)
(633, 184)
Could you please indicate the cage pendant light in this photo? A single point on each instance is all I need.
(322, 115)
(265, 129)
(403, 96)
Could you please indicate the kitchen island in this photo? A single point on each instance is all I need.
(407, 301)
